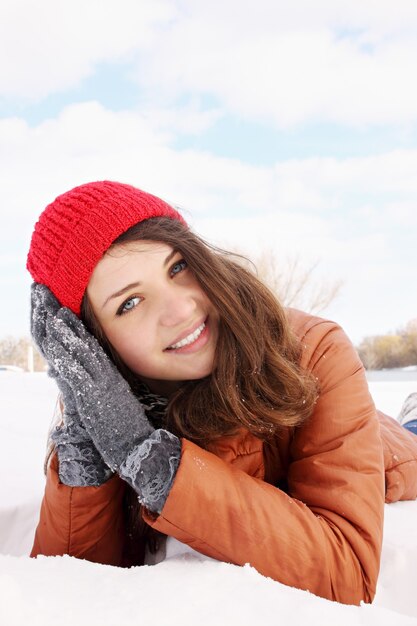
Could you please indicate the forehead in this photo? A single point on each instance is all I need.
(133, 248)
(126, 259)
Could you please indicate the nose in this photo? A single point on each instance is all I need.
(177, 306)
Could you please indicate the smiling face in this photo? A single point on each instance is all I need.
(154, 313)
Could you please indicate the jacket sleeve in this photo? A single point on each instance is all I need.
(85, 522)
(325, 534)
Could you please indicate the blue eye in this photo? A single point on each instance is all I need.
(128, 305)
(178, 267)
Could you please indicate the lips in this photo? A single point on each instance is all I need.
(189, 338)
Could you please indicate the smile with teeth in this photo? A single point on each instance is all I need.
(189, 338)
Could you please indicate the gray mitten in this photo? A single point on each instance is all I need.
(80, 464)
(112, 415)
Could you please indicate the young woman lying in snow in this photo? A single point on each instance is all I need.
(193, 404)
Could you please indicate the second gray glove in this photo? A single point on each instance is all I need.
(112, 415)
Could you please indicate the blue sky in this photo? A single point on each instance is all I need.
(285, 127)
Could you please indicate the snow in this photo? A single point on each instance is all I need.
(186, 587)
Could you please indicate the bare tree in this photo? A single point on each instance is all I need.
(295, 284)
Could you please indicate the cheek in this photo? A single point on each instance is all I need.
(208, 304)
(129, 345)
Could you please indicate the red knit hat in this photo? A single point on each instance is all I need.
(75, 230)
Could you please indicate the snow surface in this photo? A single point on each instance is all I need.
(186, 588)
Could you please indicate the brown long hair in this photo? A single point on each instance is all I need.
(257, 382)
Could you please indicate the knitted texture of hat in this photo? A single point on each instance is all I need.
(76, 229)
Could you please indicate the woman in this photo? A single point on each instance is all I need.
(243, 430)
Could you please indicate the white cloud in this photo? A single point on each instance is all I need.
(288, 77)
(290, 63)
(50, 46)
(188, 119)
(393, 171)
(86, 141)
(282, 63)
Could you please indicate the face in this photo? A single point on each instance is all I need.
(155, 314)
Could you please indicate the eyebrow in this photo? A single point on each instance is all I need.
(130, 286)
(170, 256)
(121, 292)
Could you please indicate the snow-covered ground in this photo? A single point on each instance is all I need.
(185, 588)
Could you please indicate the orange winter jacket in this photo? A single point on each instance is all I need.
(305, 510)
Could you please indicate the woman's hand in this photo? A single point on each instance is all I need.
(110, 412)
(80, 464)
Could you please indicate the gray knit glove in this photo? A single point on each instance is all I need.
(80, 463)
(114, 418)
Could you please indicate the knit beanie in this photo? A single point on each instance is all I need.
(77, 228)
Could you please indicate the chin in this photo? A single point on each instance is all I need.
(201, 375)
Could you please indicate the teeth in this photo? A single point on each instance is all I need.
(189, 339)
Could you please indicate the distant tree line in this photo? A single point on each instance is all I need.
(397, 349)
(379, 352)
(21, 352)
